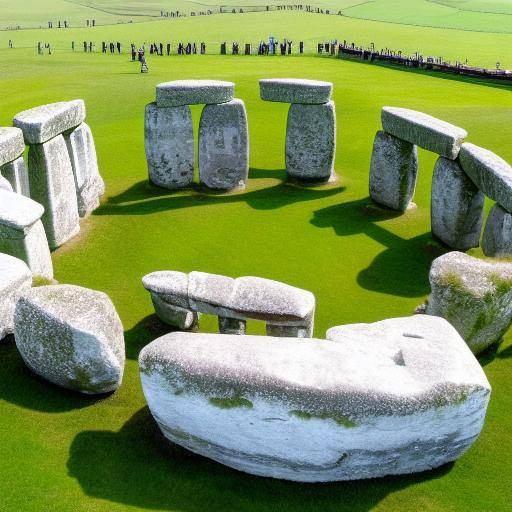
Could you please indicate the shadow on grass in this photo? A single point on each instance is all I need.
(144, 332)
(137, 466)
(20, 386)
(493, 352)
(402, 268)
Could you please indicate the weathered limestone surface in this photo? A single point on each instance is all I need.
(89, 184)
(52, 184)
(169, 141)
(5, 185)
(15, 280)
(224, 145)
(400, 396)
(457, 206)
(490, 173)
(497, 239)
(311, 141)
(12, 144)
(295, 90)
(193, 92)
(16, 174)
(22, 234)
(45, 122)
(475, 296)
(423, 130)
(393, 171)
(71, 336)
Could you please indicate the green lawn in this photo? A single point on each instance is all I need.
(63, 452)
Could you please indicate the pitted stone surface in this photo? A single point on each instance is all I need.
(400, 396)
(52, 184)
(71, 336)
(15, 280)
(393, 171)
(89, 184)
(169, 142)
(423, 130)
(193, 92)
(17, 211)
(497, 239)
(311, 141)
(490, 173)
(16, 174)
(457, 206)
(41, 124)
(224, 146)
(12, 144)
(295, 90)
(475, 296)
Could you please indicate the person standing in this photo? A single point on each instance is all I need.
(168, 49)
(143, 64)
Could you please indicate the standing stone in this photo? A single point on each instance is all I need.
(16, 174)
(497, 239)
(13, 173)
(457, 206)
(169, 141)
(88, 182)
(12, 144)
(224, 146)
(52, 184)
(22, 234)
(393, 171)
(311, 141)
(15, 280)
(232, 326)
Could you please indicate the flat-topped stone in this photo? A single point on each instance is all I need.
(490, 173)
(12, 144)
(423, 130)
(399, 396)
(295, 90)
(193, 92)
(17, 211)
(42, 123)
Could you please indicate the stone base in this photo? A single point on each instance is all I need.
(289, 331)
(497, 239)
(174, 315)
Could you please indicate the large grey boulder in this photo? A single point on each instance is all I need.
(16, 174)
(311, 141)
(45, 122)
(169, 143)
(193, 92)
(52, 184)
(393, 171)
(89, 184)
(399, 396)
(71, 336)
(224, 146)
(22, 233)
(423, 130)
(295, 90)
(475, 296)
(497, 239)
(457, 206)
(490, 173)
(12, 144)
(15, 280)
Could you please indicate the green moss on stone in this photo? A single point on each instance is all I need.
(340, 419)
(230, 403)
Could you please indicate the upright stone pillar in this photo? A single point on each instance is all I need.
(22, 234)
(457, 206)
(393, 171)
(497, 239)
(13, 172)
(224, 146)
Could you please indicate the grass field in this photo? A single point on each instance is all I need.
(64, 452)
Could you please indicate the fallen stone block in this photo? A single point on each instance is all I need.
(295, 90)
(12, 144)
(497, 239)
(22, 234)
(193, 92)
(71, 336)
(457, 206)
(490, 173)
(396, 397)
(169, 142)
(425, 131)
(311, 142)
(40, 124)
(475, 296)
(393, 171)
(15, 280)
(224, 146)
